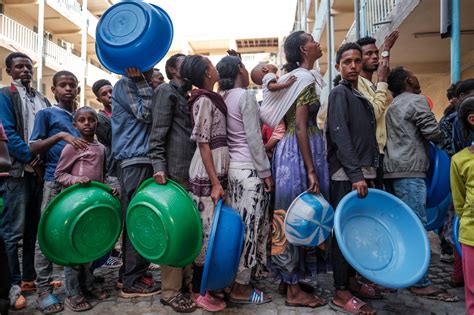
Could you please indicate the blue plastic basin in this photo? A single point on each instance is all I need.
(457, 245)
(133, 34)
(223, 250)
(435, 216)
(382, 238)
(309, 220)
(438, 188)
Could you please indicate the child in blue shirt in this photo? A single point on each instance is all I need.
(53, 128)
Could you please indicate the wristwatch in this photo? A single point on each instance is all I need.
(385, 54)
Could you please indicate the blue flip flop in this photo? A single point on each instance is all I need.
(256, 297)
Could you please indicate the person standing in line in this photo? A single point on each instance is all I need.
(250, 177)
(19, 104)
(353, 158)
(103, 92)
(5, 284)
(410, 125)
(378, 94)
(461, 139)
(53, 128)
(462, 184)
(299, 164)
(156, 79)
(131, 123)
(82, 167)
(210, 163)
(171, 150)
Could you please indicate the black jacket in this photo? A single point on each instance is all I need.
(350, 132)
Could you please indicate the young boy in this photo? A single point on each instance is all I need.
(103, 92)
(82, 167)
(353, 158)
(52, 129)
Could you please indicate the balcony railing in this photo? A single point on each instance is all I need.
(62, 58)
(375, 13)
(18, 36)
(91, 24)
(23, 38)
(69, 8)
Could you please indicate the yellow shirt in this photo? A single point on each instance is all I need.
(462, 189)
(380, 99)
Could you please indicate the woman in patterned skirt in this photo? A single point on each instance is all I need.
(250, 178)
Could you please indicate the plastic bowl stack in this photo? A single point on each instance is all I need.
(80, 225)
(438, 188)
(382, 239)
(457, 245)
(133, 34)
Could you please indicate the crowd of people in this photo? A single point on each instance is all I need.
(224, 145)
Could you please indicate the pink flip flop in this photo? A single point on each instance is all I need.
(210, 303)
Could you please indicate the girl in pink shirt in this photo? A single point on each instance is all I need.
(82, 167)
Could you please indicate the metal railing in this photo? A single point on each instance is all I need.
(374, 13)
(18, 35)
(62, 58)
(22, 38)
(91, 24)
(69, 8)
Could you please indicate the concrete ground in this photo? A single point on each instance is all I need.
(401, 302)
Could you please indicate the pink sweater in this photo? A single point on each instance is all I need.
(74, 164)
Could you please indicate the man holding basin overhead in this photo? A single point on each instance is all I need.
(171, 151)
(131, 122)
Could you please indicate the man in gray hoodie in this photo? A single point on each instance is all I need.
(410, 125)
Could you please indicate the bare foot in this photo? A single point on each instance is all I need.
(297, 297)
(435, 293)
(342, 296)
(243, 292)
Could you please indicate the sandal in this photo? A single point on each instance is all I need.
(113, 262)
(48, 303)
(352, 306)
(17, 300)
(210, 304)
(28, 286)
(439, 295)
(180, 303)
(97, 293)
(77, 303)
(56, 283)
(219, 294)
(256, 297)
(367, 292)
(153, 267)
(379, 288)
(319, 302)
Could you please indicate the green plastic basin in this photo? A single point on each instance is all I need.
(80, 225)
(163, 224)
